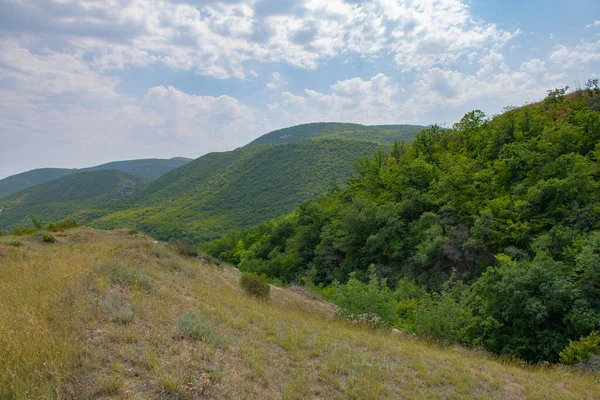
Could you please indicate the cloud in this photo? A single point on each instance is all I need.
(594, 24)
(577, 56)
(215, 38)
(534, 65)
(352, 100)
(276, 81)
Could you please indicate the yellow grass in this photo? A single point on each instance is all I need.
(59, 337)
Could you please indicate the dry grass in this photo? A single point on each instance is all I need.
(57, 339)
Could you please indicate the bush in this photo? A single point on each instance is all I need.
(581, 350)
(371, 303)
(124, 276)
(193, 326)
(47, 238)
(24, 231)
(255, 285)
(118, 306)
(15, 243)
(186, 249)
(62, 225)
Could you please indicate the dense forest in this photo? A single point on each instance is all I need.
(486, 234)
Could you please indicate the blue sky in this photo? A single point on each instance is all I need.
(84, 82)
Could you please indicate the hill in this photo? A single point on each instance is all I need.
(384, 134)
(219, 192)
(146, 168)
(486, 234)
(59, 198)
(112, 315)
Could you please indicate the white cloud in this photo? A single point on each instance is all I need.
(577, 56)
(276, 81)
(216, 38)
(534, 65)
(596, 23)
(351, 100)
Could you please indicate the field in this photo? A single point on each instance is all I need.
(112, 314)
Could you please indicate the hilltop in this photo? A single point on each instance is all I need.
(221, 192)
(59, 198)
(146, 168)
(114, 315)
(384, 134)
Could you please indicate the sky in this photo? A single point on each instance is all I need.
(83, 82)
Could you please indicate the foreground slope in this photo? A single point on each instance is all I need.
(57, 199)
(145, 168)
(223, 191)
(96, 315)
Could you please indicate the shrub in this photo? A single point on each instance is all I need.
(47, 238)
(193, 326)
(581, 350)
(371, 303)
(186, 249)
(255, 285)
(62, 225)
(118, 306)
(124, 276)
(24, 231)
(15, 243)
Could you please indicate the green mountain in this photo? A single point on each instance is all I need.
(221, 192)
(59, 198)
(487, 234)
(146, 168)
(385, 134)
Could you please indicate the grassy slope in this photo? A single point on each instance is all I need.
(57, 199)
(288, 347)
(146, 168)
(223, 191)
(386, 134)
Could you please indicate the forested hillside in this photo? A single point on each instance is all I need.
(486, 234)
(59, 198)
(146, 168)
(220, 192)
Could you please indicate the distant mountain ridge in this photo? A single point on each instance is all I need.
(57, 199)
(145, 168)
(221, 192)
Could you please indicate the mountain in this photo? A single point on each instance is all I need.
(59, 198)
(105, 314)
(221, 192)
(145, 168)
(384, 134)
(487, 234)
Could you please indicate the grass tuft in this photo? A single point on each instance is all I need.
(118, 306)
(124, 276)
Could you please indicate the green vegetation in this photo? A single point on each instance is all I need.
(60, 198)
(47, 238)
(90, 337)
(498, 219)
(147, 168)
(222, 192)
(255, 285)
(384, 134)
